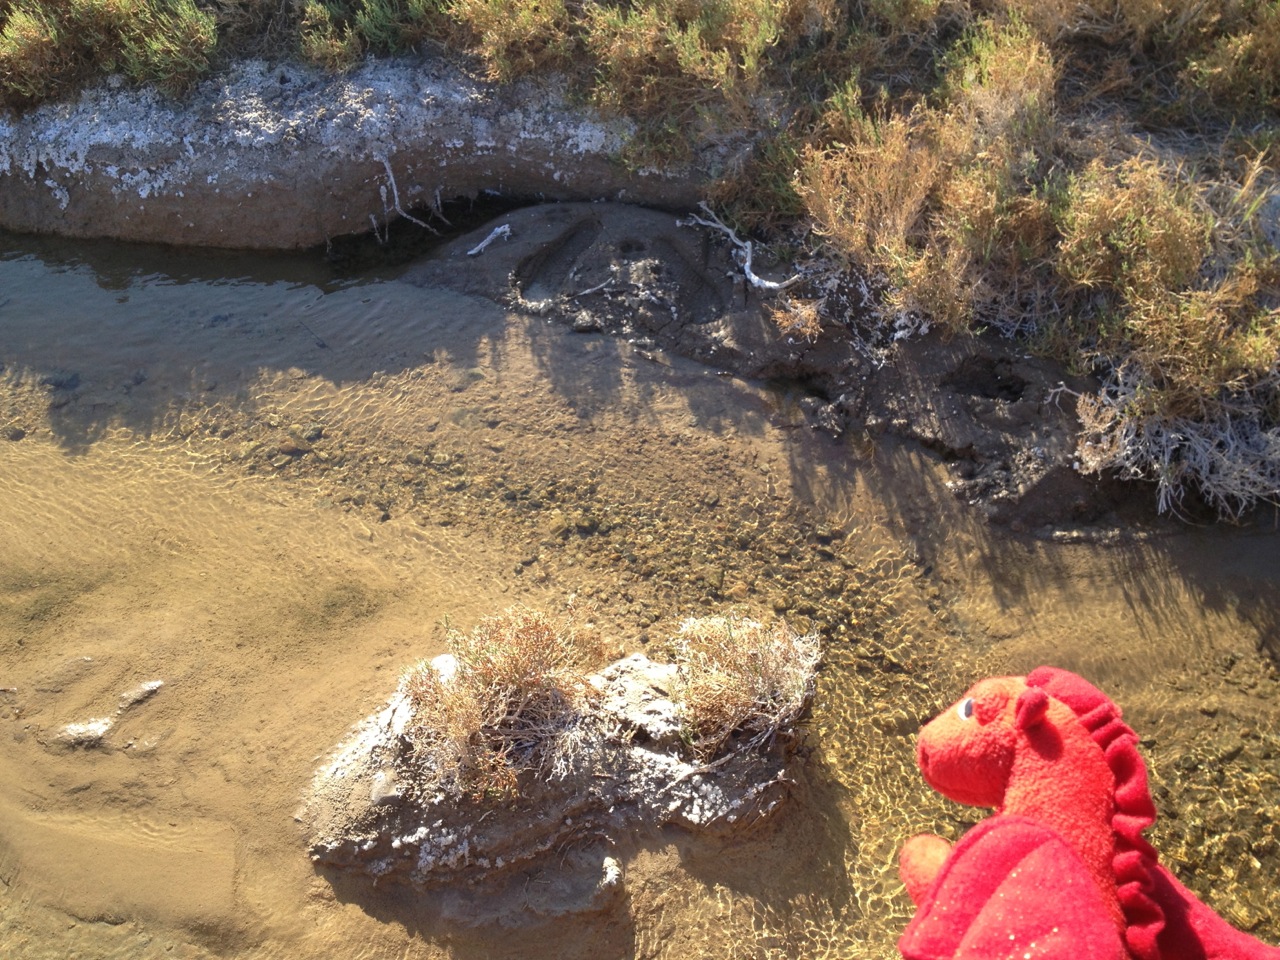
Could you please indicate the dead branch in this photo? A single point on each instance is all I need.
(742, 250)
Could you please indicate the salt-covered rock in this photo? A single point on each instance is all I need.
(631, 776)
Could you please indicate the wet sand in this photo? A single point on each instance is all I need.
(272, 493)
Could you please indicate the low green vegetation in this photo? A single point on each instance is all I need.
(48, 50)
(1096, 177)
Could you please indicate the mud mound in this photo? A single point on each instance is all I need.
(365, 814)
(632, 272)
(995, 416)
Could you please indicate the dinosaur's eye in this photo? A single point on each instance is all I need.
(965, 708)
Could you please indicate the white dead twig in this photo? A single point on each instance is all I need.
(503, 231)
(742, 251)
(603, 285)
(395, 197)
(438, 209)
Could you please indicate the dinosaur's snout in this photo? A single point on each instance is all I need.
(922, 758)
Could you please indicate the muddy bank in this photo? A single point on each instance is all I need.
(1001, 422)
(283, 157)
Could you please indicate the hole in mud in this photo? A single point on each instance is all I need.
(801, 386)
(547, 272)
(989, 377)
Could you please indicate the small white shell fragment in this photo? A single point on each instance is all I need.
(143, 691)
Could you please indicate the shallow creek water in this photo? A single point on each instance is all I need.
(272, 493)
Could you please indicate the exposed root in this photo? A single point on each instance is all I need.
(742, 250)
(395, 198)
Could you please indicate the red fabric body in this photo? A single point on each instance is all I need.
(1192, 931)
(1013, 890)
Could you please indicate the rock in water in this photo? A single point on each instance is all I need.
(367, 813)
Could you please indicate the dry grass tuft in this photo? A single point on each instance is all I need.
(512, 704)
(1132, 230)
(798, 318)
(512, 698)
(683, 61)
(947, 200)
(326, 43)
(1243, 65)
(34, 58)
(745, 684)
(517, 37)
(1181, 309)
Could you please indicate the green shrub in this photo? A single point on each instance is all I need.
(34, 57)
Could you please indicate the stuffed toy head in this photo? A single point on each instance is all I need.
(967, 752)
(1062, 870)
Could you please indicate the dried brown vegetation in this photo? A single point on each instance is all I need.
(512, 698)
(745, 684)
(988, 203)
(512, 701)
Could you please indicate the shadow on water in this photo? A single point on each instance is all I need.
(1175, 581)
(100, 367)
(143, 367)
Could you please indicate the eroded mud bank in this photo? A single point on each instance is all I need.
(283, 157)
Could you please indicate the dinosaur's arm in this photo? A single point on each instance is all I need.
(920, 861)
(1011, 889)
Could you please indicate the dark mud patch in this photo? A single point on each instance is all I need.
(998, 418)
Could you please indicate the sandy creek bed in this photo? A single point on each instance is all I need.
(270, 492)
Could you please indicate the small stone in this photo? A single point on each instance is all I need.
(294, 446)
(136, 695)
(610, 874)
(61, 380)
(385, 790)
(14, 433)
(87, 734)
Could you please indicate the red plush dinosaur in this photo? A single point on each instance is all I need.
(1061, 871)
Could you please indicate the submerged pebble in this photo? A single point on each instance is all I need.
(87, 734)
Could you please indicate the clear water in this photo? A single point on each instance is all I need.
(160, 519)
